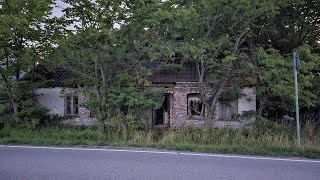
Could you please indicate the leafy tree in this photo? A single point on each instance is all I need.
(296, 23)
(277, 91)
(26, 38)
(211, 34)
(106, 60)
(272, 41)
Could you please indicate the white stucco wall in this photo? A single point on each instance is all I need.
(247, 102)
(52, 99)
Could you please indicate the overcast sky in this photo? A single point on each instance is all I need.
(57, 10)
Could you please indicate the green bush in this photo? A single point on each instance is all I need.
(31, 114)
(263, 125)
(5, 112)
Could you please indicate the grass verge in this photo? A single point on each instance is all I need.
(275, 142)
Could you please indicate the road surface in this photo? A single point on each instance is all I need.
(30, 162)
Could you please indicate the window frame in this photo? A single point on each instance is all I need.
(195, 96)
(74, 107)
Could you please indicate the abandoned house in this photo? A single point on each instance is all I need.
(181, 105)
(62, 97)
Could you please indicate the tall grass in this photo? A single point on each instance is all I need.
(262, 138)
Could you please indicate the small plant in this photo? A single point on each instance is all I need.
(247, 115)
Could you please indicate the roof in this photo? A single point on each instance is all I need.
(61, 77)
(163, 74)
(171, 75)
(56, 77)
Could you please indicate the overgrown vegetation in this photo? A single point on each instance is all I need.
(263, 138)
(231, 42)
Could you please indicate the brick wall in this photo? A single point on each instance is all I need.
(179, 108)
(179, 112)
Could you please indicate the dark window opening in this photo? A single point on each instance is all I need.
(161, 112)
(195, 105)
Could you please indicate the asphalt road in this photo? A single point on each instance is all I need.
(27, 162)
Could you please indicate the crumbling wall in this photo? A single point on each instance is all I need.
(247, 102)
(179, 113)
(179, 107)
(54, 100)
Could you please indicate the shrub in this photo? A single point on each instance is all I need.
(263, 125)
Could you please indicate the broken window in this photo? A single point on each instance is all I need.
(228, 111)
(161, 112)
(71, 104)
(195, 105)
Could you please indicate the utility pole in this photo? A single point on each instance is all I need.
(296, 66)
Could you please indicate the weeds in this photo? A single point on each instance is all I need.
(260, 139)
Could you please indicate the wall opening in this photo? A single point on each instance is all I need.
(195, 105)
(160, 113)
(228, 111)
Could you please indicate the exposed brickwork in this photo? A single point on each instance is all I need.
(180, 117)
(179, 109)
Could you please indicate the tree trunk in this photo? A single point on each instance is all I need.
(96, 85)
(262, 103)
(98, 95)
(14, 102)
(201, 71)
(208, 120)
(103, 96)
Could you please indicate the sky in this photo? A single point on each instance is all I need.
(57, 12)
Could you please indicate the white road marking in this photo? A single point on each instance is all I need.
(166, 152)
(251, 157)
(89, 149)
